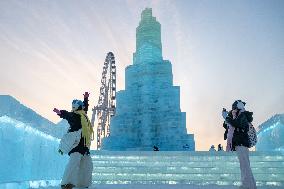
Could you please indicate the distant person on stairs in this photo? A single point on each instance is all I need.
(212, 149)
(155, 148)
(76, 143)
(237, 123)
(220, 148)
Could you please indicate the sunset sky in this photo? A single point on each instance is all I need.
(221, 51)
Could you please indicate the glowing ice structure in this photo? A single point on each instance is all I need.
(271, 134)
(148, 110)
(197, 168)
(28, 154)
(29, 159)
(11, 107)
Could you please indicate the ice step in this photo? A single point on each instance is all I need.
(200, 164)
(222, 184)
(157, 186)
(191, 177)
(183, 169)
(199, 168)
(214, 157)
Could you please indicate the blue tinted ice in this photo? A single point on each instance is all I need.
(148, 110)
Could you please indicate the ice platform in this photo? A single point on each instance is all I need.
(195, 168)
(172, 170)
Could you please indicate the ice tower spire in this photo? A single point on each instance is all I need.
(148, 39)
(148, 110)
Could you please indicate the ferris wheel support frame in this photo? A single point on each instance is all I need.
(106, 106)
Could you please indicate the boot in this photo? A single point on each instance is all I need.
(70, 186)
(67, 186)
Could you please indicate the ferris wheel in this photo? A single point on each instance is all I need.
(105, 108)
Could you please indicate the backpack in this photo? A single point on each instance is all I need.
(252, 136)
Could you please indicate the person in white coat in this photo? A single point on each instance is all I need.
(76, 143)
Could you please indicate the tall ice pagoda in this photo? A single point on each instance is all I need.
(148, 110)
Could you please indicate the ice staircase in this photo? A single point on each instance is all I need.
(197, 168)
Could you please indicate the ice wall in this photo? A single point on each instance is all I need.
(271, 134)
(11, 107)
(28, 154)
(148, 110)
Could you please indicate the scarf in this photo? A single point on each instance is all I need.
(87, 129)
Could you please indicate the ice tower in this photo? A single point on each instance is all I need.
(148, 110)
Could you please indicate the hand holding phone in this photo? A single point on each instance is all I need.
(224, 113)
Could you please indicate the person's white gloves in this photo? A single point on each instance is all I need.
(224, 114)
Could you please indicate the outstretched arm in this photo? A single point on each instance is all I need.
(57, 111)
(62, 113)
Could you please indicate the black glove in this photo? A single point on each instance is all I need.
(60, 151)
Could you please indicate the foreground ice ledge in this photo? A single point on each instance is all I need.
(182, 170)
(195, 168)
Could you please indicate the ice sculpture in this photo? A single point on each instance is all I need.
(148, 110)
(27, 153)
(202, 170)
(271, 134)
(11, 107)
